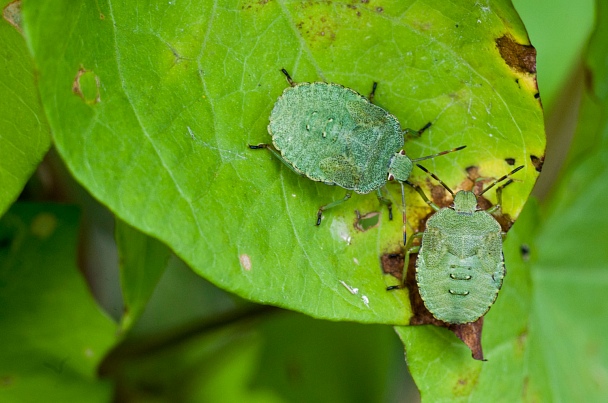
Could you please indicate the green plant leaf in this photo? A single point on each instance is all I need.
(142, 262)
(176, 92)
(53, 333)
(24, 132)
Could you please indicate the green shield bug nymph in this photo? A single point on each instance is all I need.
(332, 134)
(460, 264)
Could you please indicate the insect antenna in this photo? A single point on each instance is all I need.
(500, 180)
(436, 178)
(438, 154)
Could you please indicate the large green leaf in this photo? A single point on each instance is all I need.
(53, 334)
(24, 133)
(153, 105)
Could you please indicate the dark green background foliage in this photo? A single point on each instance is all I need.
(170, 282)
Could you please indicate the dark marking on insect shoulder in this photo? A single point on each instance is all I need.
(510, 161)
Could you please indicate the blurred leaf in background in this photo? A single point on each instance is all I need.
(570, 272)
(53, 333)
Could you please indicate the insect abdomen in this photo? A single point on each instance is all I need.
(455, 290)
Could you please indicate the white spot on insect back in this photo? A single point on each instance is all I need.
(245, 261)
(356, 261)
(365, 300)
(339, 230)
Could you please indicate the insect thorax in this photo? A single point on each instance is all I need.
(400, 167)
(465, 201)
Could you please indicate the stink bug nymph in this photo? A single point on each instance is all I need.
(332, 134)
(460, 264)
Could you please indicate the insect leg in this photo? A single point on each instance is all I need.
(330, 205)
(411, 133)
(387, 202)
(498, 205)
(409, 249)
(275, 153)
(421, 193)
(499, 189)
(289, 80)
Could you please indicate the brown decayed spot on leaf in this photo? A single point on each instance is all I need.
(470, 334)
(521, 58)
(12, 14)
(85, 89)
(392, 263)
(364, 222)
(537, 162)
